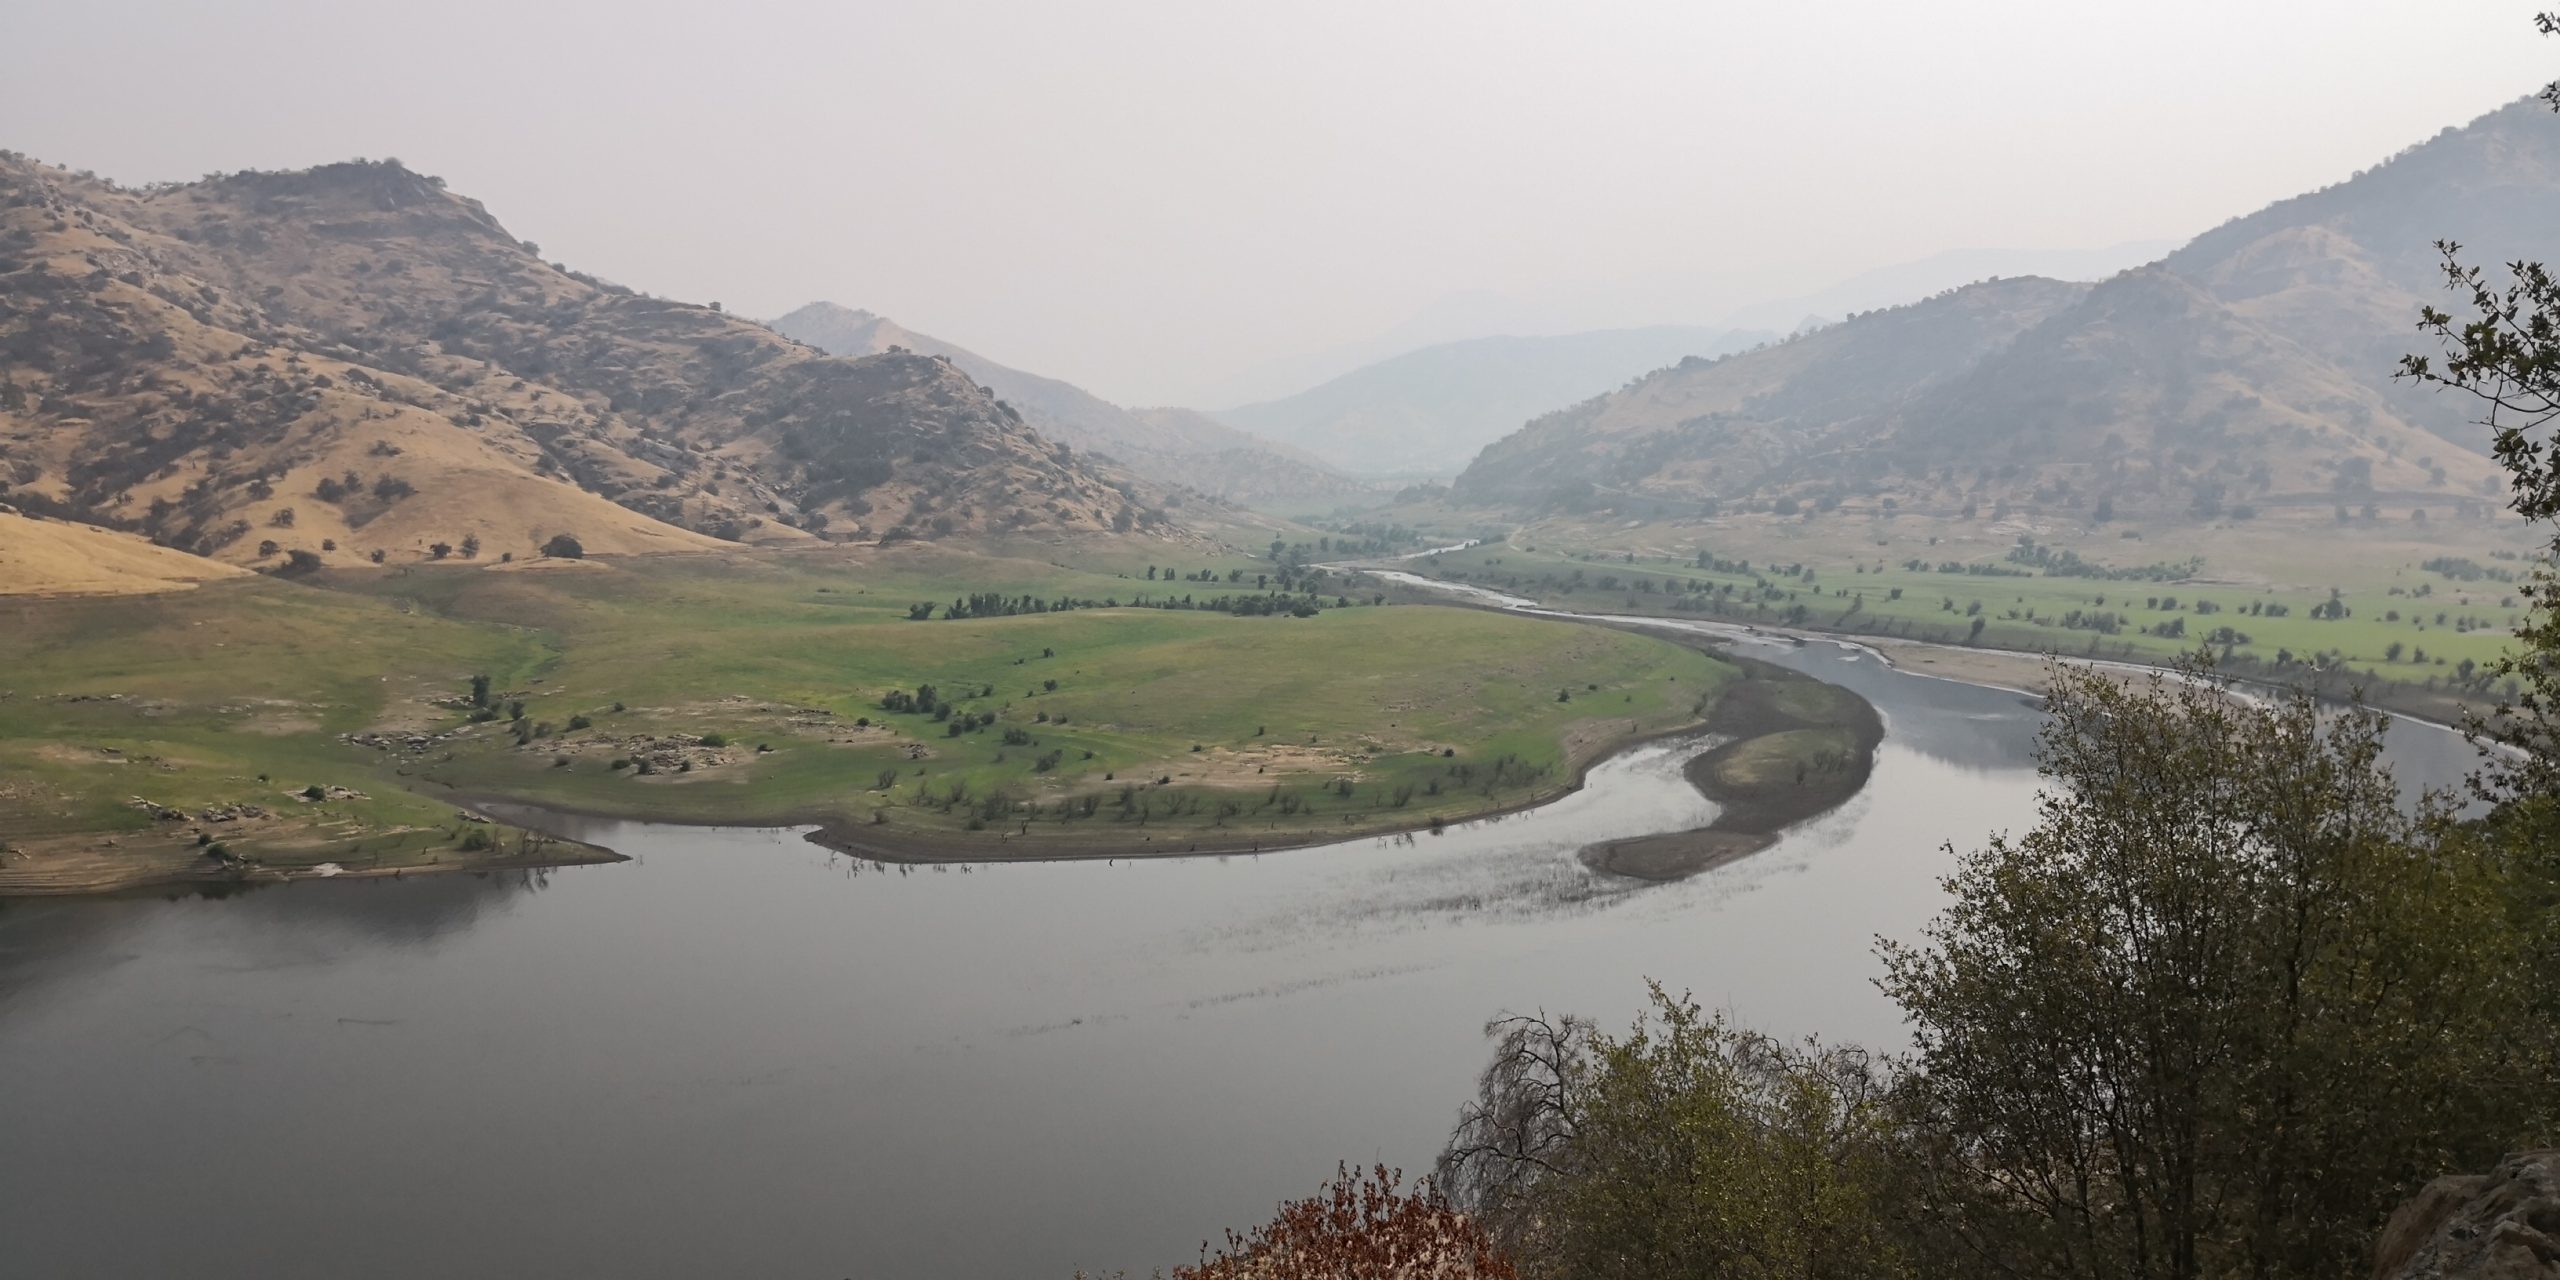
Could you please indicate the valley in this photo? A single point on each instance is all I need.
(840, 573)
(2412, 617)
(506, 772)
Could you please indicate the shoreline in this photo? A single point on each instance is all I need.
(1755, 815)
(1785, 766)
(191, 871)
(916, 848)
(1753, 723)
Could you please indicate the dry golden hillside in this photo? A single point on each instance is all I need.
(56, 557)
(355, 363)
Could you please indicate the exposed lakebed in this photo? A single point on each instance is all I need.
(743, 1054)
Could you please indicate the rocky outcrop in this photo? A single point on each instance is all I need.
(2504, 1225)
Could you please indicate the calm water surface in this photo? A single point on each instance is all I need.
(742, 1055)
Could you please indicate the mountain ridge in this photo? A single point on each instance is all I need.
(2252, 367)
(368, 366)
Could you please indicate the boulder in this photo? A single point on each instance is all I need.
(2503, 1225)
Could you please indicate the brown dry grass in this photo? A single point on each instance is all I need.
(51, 557)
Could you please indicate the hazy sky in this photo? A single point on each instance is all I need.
(1148, 197)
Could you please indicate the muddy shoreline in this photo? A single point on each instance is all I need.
(1107, 841)
(1791, 758)
(25, 874)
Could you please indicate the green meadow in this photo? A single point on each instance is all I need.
(2419, 621)
(771, 687)
(233, 694)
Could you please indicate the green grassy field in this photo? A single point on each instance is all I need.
(751, 687)
(230, 695)
(2358, 604)
(1192, 719)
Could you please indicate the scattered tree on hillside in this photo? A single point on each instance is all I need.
(564, 547)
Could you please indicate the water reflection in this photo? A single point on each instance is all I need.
(45, 942)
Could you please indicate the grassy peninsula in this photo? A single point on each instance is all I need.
(1006, 699)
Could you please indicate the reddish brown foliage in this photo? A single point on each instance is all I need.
(1363, 1225)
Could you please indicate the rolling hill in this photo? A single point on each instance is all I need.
(1427, 412)
(353, 363)
(1169, 446)
(2250, 369)
(60, 557)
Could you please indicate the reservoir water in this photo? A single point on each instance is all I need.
(741, 1055)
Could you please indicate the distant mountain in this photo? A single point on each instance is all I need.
(1173, 447)
(1902, 282)
(1253, 472)
(1427, 412)
(1722, 428)
(2250, 368)
(351, 361)
(1705, 298)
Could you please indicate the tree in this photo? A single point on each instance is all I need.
(1363, 1223)
(439, 550)
(470, 546)
(2222, 1008)
(2505, 352)
(1686, 1148)
(564, 547)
